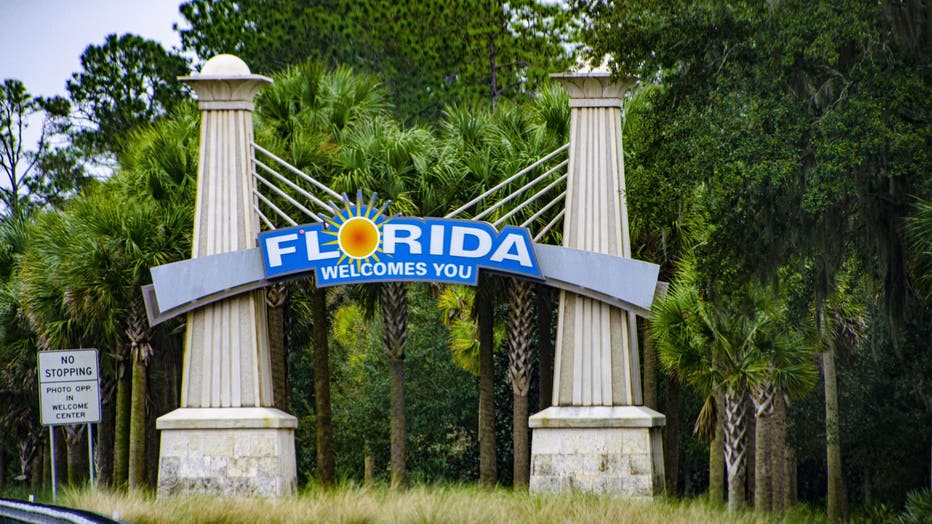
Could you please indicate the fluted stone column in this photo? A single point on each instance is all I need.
(226, 438)
(597, 436)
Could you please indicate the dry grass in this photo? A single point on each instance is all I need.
(424, 504)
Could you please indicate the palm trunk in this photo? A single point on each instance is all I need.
(275, 296)
(324, 436)
(61, 456)
(121, 426)
(103, 448)
(398, 430)
(671, 436)
(522, 455)
(763, 441)
(368, 467)
(790, 496)
(717, 457)
(137, 423)
(41, 462)
(763, 397)
(75, 437)
(835, 495)
(735, 448)
(520, 313)
(778, 459)
(395, 320)
(487, 466)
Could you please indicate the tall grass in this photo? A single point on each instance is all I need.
(423, 504)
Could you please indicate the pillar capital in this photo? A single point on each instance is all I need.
(594, 88)
(225, 83)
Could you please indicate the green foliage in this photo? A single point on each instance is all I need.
(428, 54)
(804, 120)
(162, 158)
(125, 81)
(918, 507)
(920, 235)
(40, 174)
(440, 397)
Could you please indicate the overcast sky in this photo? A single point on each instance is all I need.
(42, 40)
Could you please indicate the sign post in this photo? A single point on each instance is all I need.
(69, 393)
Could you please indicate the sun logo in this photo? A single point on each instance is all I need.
(357, 228)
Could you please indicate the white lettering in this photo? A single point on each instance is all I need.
(393, 234)
(313, 248)
(396, 268)
(458, 242)
(436, 239)
(503, 252)
(466, 272)
(273, 246)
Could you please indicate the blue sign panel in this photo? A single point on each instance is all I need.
(361, 245)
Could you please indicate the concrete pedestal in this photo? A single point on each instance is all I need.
(612, 450)
(227, 451)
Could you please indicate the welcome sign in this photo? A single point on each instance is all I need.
(361, 244)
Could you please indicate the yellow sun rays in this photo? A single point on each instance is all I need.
(357, 229)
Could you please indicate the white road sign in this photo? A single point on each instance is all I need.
(69, 387)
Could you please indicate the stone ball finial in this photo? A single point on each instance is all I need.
(225, 65)
(225, 83)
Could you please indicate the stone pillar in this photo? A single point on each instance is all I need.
(597, 436)
(226, 438)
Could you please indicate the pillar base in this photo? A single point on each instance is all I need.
(610, 450)
(227, 451)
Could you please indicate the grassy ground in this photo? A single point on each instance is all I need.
(423, 504)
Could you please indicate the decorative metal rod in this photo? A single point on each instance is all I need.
(297, 171)
(519, 191)
(550, 225)
(529, 201)
(544, 209)
(275, 208)
(290, 200)
(508, 180)
(292, 185)
(263, 218)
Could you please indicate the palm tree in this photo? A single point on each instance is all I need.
(483, 148)
(466, 170)
(456, 303)
(125, 236)
(82, 283)
(18, 387)
(275, 297)
(789, 370)
(380, 157)
(735, 347)
(44, 295)
(303, 118)
(520, 314)
(919, 229)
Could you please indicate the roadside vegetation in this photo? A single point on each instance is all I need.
(452, 504)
